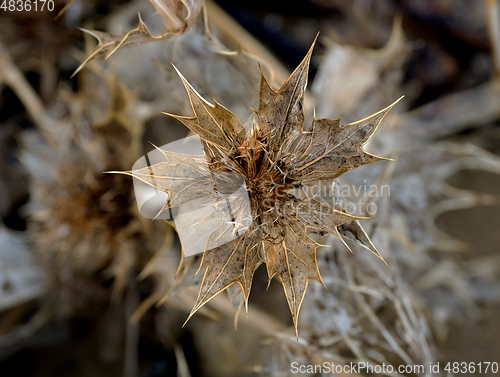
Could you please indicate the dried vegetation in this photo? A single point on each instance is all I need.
(89, 260)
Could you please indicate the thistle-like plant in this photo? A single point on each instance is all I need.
(257, 179)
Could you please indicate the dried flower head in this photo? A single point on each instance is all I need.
(258, 180)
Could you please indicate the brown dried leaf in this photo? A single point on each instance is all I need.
(354, 231)
(281, 112)
(330, 149)
(293, 258)
(233, 262)
(108, 44)
(213, 123)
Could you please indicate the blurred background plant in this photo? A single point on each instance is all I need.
(89, 287)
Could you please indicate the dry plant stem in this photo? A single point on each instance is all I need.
(469, 108)
(374, 319)
(28, 330)
(262, 322)
(64, 9)
(131, 366)
(182, 365)
(256, 319)
(240, 37)
(13, 77)
(165, 9)
(493, 17)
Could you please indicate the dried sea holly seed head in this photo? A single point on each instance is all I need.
(277, 157)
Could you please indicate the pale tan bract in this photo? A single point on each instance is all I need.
(178, 17)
